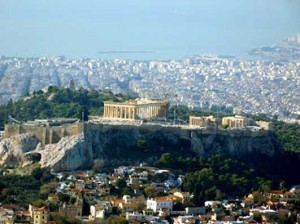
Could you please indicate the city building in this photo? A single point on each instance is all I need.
(138, 109)
(160, 203)
(72, 210)
(184, 196)
(39, 215)
(100, 210)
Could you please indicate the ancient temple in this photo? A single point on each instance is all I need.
(235, 122)
(138, 109)
(202, 122)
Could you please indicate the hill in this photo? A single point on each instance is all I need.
(64, 102)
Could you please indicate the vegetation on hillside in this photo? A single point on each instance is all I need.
(222, 176)
(289, 134)
(23, 190)
(57, 102)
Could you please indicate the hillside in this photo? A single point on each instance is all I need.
(237, 160)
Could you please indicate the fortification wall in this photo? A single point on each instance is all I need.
(11, 130)
(46, 134)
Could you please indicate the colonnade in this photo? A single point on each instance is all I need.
(234, 122)
(131, 112)
(197, 121)
(149, 111)
(238, 123)
(122, 112)
(201, 121)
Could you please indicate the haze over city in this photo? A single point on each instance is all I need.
(147, 29)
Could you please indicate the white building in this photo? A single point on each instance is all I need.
(185, 219)
(100, 210)
(97, 211)
(135, 216)
(160, 203)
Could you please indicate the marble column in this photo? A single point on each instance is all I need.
(122, 112)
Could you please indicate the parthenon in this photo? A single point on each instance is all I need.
(135, 109)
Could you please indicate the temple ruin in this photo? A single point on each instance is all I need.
(135, 109)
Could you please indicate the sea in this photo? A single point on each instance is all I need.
(144, 29)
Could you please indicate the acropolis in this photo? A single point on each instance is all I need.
(138, 109)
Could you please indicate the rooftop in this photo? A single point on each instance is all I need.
(136, 101)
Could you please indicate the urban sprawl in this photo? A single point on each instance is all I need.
(199, 82)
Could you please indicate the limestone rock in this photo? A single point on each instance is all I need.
(12, 150)
(70, 153)
(128, 144)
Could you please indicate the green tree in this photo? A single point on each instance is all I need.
(72, 200)
(48, 188)
(121, 183)
(126, 191)
(117, 220)
(149, 191)
(39, 203)
(98, 165)
(64, 198)
(37, 173)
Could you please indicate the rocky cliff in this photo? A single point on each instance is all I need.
(125, 144)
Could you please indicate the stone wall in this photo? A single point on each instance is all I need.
(46, 134)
